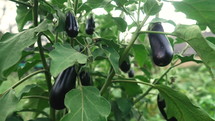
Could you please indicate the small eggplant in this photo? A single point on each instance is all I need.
(90, 26)
(71, 25)
(85, 78)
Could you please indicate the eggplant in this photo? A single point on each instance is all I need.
(125, 66)
(131, 73)
(161, 106)
(162, 52)
(63, 84)
(90, 26)
(71, 25)
(85, 78)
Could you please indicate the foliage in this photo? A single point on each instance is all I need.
(113, 96)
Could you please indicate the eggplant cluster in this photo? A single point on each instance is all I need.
(161, 107)
(71, 25)
(162, 52)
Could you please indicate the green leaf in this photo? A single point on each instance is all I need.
(97, 3)
(201, 10)
(121, 23)
(14, 118)
(152, 7)
(59, 3)
(40, 119)
(61, 20)
(140, 54)
(188, 58)
(120, 2)
(131, 89)
(124, 105)
(64, 56)
(24, 14)
(86, 104)
(155, 20)
(27, 67)
(192, 35)
(8, 104)
(180, 107)
(12, 45)
(211, 39)
(113, 57)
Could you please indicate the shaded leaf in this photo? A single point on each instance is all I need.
(180, 107)
(121, 23)
(14, 44)
(64, 56)
(192, 35)
(140, 54)
(24, 14)
(155, 20)
(86, 104)
(188, 58)
(152, 7)
(131, 89)
(201, 10)
(113, 57)
(8, 104)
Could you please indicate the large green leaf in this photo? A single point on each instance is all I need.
(24, 14)
(201, 10)
(64, 56)
(86, 104)
(121, 23)
(179, 106)
(8, 104)
(152, 7)
(140, 54)
(192, 35)
(12, 45)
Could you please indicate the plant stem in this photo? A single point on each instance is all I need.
(124, 54)
(155, 82)
(133, 39)
(22, 80)
(130, 81)
(42, 56)
(49, 39)
(36, 96)
(138, 12)
(76, 7)
(156, 32)
(21, 3)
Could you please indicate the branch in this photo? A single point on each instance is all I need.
(124, 54)
(156, 32)
(155, 82)
(23, 80)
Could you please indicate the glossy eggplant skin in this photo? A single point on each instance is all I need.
(90, 26)
(63, 84)
(85, 78)
(162, 51)
(125, 66)
(131, 73)
(71, 25)
(161, 106)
